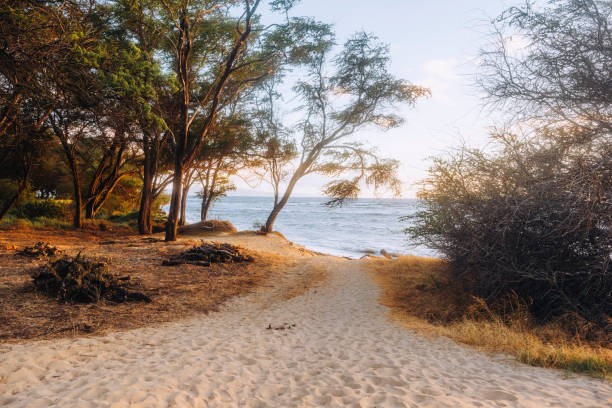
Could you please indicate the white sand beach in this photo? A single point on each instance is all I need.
(337, 348)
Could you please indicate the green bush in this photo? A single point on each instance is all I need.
(47, 208)
(22, 224)
(8, 220)
(42, 222)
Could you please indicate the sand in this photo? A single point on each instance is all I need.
(338, 348)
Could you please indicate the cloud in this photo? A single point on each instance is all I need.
(447, 77)
(445, 69)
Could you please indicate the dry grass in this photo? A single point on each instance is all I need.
(422, 296)
(207, 227)
(177, 292)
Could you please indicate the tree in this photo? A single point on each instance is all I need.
(529, 219)
(228, 150)
(30, 45)
(553, 65)
(359, 92)
(215, 57)
(532, 216)
(24, 147)
(139, 21)
(188, 24)
(35, 43)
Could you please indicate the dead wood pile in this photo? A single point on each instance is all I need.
(40, 250)
(209, 252)
(78, 280)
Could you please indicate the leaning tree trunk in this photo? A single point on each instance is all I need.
(208, 193)
(281, 204)
(89, 210)
(96, 203)
(9, 204)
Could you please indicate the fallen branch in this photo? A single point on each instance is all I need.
(81, 281)
(40, 250)
(207, 253)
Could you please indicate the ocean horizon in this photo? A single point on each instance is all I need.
(360, 227)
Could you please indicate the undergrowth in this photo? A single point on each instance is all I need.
(421, 293)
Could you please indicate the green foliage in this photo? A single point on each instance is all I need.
(45, 208)
(125, 197)
(45, 222)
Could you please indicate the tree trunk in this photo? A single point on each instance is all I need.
(5, 209)
(184, 52)
(78, 202)
(98, 202)
(76, 182)
(281, 204)
(76, 185)
(90, 212)
(175, 201)
(106, 176)
(206, 201)
(183, 218)
(146, 199)
(151, 149)
(145, 226)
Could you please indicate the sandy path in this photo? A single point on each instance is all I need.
(342, 352)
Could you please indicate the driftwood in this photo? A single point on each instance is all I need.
(40, 250)
(207, 253)
(77, 280)
(284, 326)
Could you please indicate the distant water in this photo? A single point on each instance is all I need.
(353, 230)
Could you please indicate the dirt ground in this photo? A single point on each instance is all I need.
(176, 291)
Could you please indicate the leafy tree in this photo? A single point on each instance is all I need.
(31, 45)
(359, 92)
(216, 57)
(35, 42)
(139, 22)
(226, 151)
(23, 152)
(200, 48)
(276, 148)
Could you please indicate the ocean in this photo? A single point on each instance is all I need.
(360, 227)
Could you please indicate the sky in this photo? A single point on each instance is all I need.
(432, 43)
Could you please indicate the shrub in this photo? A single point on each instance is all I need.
(531, 219)
(421, 292)
(8, 221)
(48, 208)
(42, 222)
(22, 224)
